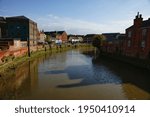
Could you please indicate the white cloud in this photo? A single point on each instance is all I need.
(75, 26)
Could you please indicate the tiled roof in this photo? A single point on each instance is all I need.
(54, 33)
(60, 32)
(146, 23)
(121, 36)
(90, 35)
(130, 27)
(18, 17)
(110, 36)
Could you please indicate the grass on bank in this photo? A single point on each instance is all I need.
(12, 63)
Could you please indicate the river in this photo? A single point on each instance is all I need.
(75, 74)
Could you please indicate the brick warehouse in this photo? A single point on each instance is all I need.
(137, 43)
(19, 27)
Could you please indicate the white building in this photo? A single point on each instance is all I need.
(42, 37)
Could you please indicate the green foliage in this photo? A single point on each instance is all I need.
(98, 41)
(7, 58)
(47, 39)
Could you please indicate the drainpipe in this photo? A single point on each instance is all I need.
(28, 44)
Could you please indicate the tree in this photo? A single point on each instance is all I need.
(98, 41)
(47, 39)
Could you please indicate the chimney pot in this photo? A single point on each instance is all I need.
(140, 15)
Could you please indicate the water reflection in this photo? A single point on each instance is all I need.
(135, 81)
(11, 84)
(75, 74)
(20, 82)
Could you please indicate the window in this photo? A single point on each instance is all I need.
(129, 34)
(129, 43)
(143, 44)
(18, 27)
(144, 32)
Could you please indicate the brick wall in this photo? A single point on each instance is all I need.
(137, 43)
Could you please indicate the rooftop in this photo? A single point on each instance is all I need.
(19, 18)
(146, 23)
(2, 20)
(111, 36)
(54, 33)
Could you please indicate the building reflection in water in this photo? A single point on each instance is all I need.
(135, 81)
(21, 82)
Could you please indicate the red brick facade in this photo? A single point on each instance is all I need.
(137, 43)
(62, 35)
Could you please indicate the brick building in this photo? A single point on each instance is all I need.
(137, 43)
(62, 35)
(113, 42)
(41, 37)
(88, 38)
(10, 44)
(19, 27)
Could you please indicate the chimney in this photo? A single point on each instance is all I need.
(140, 15)
(136, 17)
(138, 20)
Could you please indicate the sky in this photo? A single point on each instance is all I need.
(78, 16)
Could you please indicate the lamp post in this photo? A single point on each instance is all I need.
(28, 44)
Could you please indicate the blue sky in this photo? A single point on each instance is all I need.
(78, 16)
